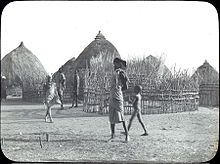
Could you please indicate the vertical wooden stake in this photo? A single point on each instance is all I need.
(47, 136)
(2, 141)
(40, 142)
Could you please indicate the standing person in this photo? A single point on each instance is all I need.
(137, 109)
(50, 97)
(75, 89)
(116, 108)
(61, 85)
(3, 88)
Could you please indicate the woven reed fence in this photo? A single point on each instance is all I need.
(166, 95)
(153, 102)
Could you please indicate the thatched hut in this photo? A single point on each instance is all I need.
(99, 47)
(23, 69)
(208, 79)
(206, 74)
(147, 71)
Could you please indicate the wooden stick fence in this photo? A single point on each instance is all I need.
(152, 102)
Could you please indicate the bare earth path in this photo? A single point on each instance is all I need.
(79, 136)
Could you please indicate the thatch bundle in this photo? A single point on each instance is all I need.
(206, 74)
(22, 68)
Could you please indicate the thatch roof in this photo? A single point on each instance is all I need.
(22, 68)
(68, 66)
(98, 47)
(206, 74)
(150, 66)
(157, 65)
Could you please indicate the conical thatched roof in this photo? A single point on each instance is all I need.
(150, 66)
(157, 65)
(98, 47)
(68, 66)
(22, 68)
(206, 74)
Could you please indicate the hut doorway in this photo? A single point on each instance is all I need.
(14, 92)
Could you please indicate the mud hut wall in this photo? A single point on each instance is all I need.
(209, 95)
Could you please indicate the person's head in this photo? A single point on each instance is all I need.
(137, 89)
(119, 63)
(49, 78)
(76, 72)
(3, 78)
(60, 70)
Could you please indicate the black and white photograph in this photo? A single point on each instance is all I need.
(110, 81)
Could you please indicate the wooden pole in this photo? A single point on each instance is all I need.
(40, 142)
(47, 137)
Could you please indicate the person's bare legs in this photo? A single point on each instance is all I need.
(131, 120)
(142, 124)
(61, 99)
(76, 98)
(46, 115)
(112, 132)
(73, 101)
(47, 111)
(127, 138)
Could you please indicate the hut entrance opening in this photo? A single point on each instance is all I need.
(14, 92)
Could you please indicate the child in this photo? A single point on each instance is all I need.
(137, 109)
(51, 97)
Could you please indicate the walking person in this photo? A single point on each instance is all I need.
(116, 108)
(75, 89)
(137, 109)
(3, 88)
(50, 97)
(61, 85)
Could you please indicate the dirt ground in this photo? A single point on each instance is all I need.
(79, 136)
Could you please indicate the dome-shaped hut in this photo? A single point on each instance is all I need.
(208, 80)
(100, 47)
(23, 69)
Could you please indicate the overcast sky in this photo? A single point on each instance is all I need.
(185, 33)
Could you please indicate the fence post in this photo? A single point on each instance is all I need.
(40, 142)
(47, 137)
